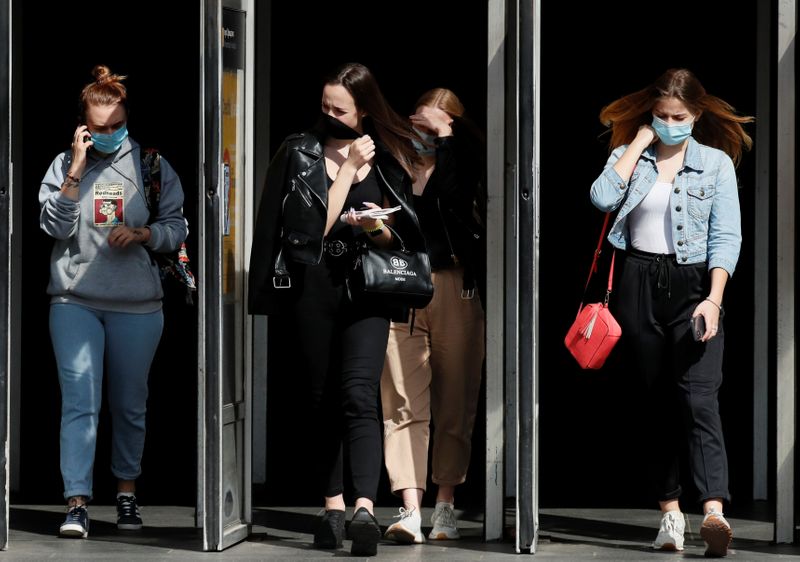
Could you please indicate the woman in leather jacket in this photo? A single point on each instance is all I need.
(360, 154)
(435, 371)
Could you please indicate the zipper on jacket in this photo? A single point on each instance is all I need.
(303, 196)
(307, 200)
(446, 232)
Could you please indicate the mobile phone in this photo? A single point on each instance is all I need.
(698, 326)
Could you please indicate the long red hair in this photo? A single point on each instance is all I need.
(719, 125)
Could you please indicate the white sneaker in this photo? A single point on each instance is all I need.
(670, 533)
(445, 523)
(717, 533)
(408, 530)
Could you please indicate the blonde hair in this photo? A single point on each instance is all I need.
(444, 99)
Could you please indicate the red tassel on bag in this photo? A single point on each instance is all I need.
(595, 332)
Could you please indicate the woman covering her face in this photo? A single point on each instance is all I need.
(434, 372)
(358, 156)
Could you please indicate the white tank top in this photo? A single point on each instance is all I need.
(650, 223)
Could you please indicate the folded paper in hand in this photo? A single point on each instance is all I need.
(372, 213)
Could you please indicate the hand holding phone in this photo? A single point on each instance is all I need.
(697, 326)
(371, 213)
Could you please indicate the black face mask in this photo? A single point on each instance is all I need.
(336, 129)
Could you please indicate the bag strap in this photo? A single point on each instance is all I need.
(593, 267)
(151, 178)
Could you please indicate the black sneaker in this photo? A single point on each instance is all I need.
(365, 533)
(76, 525)
(128, 518)
(329, 529)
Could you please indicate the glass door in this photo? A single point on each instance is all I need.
(224, 495)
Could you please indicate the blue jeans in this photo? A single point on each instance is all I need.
(82, 337)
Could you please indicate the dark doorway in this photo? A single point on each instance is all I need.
(590, 441)
(420, 45)
(156, 45)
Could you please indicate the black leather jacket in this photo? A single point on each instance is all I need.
(450, 209)
(290, 224)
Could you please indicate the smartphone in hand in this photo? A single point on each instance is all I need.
(697, 326)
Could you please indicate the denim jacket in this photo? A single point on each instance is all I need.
(704, 204)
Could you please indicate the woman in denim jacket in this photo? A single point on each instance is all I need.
(672, 177)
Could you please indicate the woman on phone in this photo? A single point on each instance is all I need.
(105, 292)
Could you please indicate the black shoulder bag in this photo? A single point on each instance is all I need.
(390, 277)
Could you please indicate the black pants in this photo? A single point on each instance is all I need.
(679, 378)
(341, 352)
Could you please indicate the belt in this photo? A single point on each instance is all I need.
(336, 248)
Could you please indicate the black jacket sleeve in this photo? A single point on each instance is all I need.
(266, 236)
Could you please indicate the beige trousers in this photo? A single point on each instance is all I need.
(433, 373)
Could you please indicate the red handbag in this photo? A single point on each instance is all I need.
(595, 332)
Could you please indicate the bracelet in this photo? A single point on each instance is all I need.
(377, 228)
(719, 306)
(73, 179)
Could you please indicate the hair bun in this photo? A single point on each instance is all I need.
(102, 74)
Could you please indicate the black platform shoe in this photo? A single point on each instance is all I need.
(365, 533)
(329, 529)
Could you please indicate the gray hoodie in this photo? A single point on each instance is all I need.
(84, 269)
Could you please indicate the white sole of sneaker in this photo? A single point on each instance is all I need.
(73, 531)
(444, 536)
(398, 533)
(668, 548)
(717, 536)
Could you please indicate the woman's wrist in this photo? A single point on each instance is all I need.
(70, 185)
(714, 302)
(376, 228)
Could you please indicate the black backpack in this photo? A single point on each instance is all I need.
(173, 266)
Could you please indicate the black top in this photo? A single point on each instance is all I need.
(364, 190)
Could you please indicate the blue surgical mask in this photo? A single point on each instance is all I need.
(672, 134)
(424, 149)
(110, 143)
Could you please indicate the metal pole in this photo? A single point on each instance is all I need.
(785, 282)
(210, 290)
(528, 275)
(495, 264)
(5, 258)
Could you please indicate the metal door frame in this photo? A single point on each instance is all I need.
(6, 218)
(496, 259)
(527, 203)
(212, 414)
(785, 223)
(512, 364)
